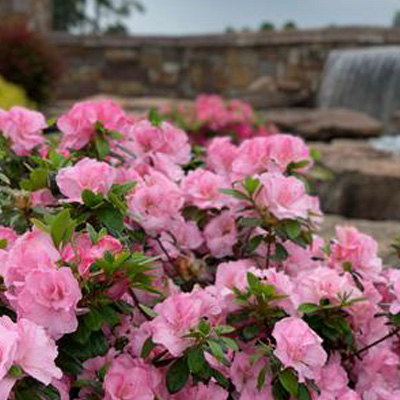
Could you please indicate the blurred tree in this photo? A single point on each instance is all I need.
(68, 14)
(267, 26)
(117, 29)
(289, 26)
(94, 16)
(396, 20)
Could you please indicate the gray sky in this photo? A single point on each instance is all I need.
(200, 16)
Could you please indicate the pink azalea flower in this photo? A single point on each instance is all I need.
(78, 124)
(155, 203)
(358, 250)
(299, 347)
(31, 252)
(202, 189)
(148, 139)
(82, 252)
(176, 316)
(202, 392)
(42, 197)
(253, 157)
(50, 298)
(27, 346)
(9, 340)
(312, 285)
(131, 379)
(211, 110)
(89, 174)
(221, 154)
(287, 149)
(180, 236)
(36, 352)
(221, 234)
(24, 129)
(285, 197)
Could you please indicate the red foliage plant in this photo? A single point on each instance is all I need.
(29, 60)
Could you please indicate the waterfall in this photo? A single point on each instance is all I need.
(366, 80)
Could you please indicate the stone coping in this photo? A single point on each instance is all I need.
(354, 36)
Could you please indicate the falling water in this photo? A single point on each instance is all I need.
(366, 80)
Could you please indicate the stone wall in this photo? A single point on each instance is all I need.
(270, 69)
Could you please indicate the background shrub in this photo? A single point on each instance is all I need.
(13, 95)
(28, 60)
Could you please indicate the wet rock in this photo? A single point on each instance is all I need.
(325, 124)
(365, 184)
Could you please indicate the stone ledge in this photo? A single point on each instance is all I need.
(330, 36)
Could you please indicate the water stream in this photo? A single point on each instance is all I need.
(366, 80)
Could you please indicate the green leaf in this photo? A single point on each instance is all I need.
(16, 371)
(235, 193)
(38, 179)
(93, 320)
(292, 229)
(251, 184)
(249, 222)
(204, 327)
(254, 242)
(314, 153)
(114, 134)
(249, 332)
(223, 329)
(102, 147)
(261, 378)
(92, 233)
(229, 342)
(62, 227)
(289, 381)
(308, 308)
(148, 311)
(177, 375)
(40, 225)
(121, 190)
(91, 199)
(279, 392)
(111, 217)
(281, 253)
(220, 378)
(253, 281)
(216, 350)
(4, 179)
(147, 348)
(154, 117)
(196, 360)
(303, 394)
(293, 166)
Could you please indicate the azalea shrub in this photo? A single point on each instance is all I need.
(136, 266)
(211, 116)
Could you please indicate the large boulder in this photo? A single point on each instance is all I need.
(365, 181)
(325, 124)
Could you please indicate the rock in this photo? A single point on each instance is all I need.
(365, 184)
(268, 91)
(325, 124)
(396, 121)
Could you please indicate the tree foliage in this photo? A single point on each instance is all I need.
(94, 16)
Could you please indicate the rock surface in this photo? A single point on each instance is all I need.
(325, 124)
(366, 181)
